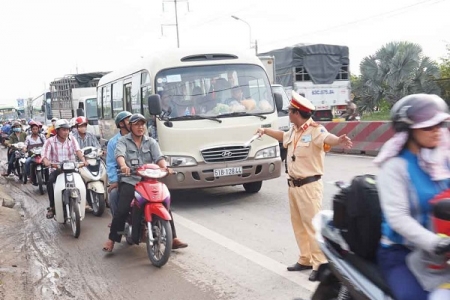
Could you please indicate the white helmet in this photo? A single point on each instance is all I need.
(62, 123)
(72, 122)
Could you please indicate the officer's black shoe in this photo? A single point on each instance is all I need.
(314, 276)
(298, 267)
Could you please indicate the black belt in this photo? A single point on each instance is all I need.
(299, 182)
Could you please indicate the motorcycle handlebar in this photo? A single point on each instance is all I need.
(134, 172)
(56, 165)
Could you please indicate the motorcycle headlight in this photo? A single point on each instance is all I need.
(268, 152)
(181, 161)
(91, 155)
(68, 166)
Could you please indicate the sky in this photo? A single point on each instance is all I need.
(46, 39)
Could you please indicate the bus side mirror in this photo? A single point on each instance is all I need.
(154, 105)
(80, 112)
(278, 101)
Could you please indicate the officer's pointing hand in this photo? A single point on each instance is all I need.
(345, 141)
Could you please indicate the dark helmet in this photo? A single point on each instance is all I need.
(122, 116)
(418, 111)
(137, 117)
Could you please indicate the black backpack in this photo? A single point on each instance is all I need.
(357, 213)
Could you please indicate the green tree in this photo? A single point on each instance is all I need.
(397, 69)
(444, 81)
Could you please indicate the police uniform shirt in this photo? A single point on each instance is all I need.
(309, 152)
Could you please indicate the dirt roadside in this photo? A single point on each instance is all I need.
(14, 262)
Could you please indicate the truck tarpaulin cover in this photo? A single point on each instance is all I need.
(322, 62)
(84, 79)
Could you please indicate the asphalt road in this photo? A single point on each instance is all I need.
(239, 246)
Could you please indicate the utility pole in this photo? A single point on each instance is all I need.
(175, 2)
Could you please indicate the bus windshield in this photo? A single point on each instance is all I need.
(8, 113)
(91, 109)
(214, 90)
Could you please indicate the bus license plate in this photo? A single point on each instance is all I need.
(227, 171)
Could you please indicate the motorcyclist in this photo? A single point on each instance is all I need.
(51, 127)
(35, 139)
(414, 168)
(84, 138)
(16, 136)
(73, 127)
(134, 145)
(6, 131)
(121, 121)
(351, 111)
(57, 149)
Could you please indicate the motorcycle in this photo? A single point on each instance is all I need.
(41, 172)
(346, 275)
(70, 196)
(20, 157)
(152, 197)
(94, 177)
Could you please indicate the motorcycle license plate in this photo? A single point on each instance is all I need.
(227, 171)
(38, 168)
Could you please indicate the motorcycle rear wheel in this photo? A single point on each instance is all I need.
(75, 217)
(159, 252)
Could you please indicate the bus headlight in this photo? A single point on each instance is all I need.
(268, 152)
(181, 161)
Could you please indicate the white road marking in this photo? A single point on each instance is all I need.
(299, 278)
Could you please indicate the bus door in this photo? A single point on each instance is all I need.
(127, 94)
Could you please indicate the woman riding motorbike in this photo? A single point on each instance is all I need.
(16, 136)
(414, 168)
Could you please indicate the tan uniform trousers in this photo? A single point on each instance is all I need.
(305, 202)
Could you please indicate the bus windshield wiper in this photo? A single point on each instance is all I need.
(243, 113)
(195, 117)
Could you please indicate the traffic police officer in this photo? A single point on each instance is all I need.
(306, 144)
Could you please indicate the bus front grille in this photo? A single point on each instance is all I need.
(225, 154)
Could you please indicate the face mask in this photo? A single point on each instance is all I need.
(82, 130)
(17, 129)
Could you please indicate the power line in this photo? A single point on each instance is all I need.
(403, 9)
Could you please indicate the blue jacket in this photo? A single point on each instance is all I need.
(111, 162)
(405, 189)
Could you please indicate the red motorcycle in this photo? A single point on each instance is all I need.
(149, 219)
(41, 171)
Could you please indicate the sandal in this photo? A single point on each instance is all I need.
(50, 213)
(109, 246)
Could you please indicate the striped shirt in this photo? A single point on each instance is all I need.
(89, 140)
(57, 152)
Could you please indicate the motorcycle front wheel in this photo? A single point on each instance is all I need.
(159, 252)
(17, 169)
(98, 203)
(24, 174)
(39, 181)
(75, 217)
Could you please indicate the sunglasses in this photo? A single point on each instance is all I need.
(431, 128)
